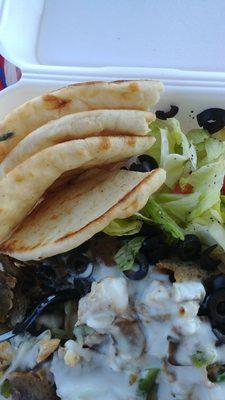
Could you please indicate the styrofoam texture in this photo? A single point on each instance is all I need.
(170, 40)
(56, 43)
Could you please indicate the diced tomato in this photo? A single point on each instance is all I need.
(186, 189)
(177, 189)
(223, 187)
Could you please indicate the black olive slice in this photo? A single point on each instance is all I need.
(218, 282)
(6, 136)
(216, 308)
(212, 119)
(144, 163)
(137, 167)
(140, 269)
(207, 261)
(150, 161)
(155, 249)
(189, 248)
(167, 114)
(80, 266)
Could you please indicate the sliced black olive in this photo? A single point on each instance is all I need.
(213, 306)
(220, 336)
(124, 168)
(207, 261)
(167, 114)
(150, 230)
(152, 163)
(80, 266)
(144, 163)
(137, 167)
(212, 119)
(6, 136)
(155, 249)
(216, 309)
(189, 248)
(140, 269)
(218, 282)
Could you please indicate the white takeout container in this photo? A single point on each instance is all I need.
(57, 42)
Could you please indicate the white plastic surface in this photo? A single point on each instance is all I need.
(168, 39)
(58, 42)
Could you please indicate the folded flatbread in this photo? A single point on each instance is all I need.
(78, 126)
(23, 187)
(77, 212)
(139, 95)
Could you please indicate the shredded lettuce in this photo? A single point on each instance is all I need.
(6, 389)
(147, 384)
(207, 180)
(178, 206)
(155, 213)
(201, 359)
(172, 149)
(196, 161)
(197, 136)
(126, 255)
(220, 377)
(123, 227)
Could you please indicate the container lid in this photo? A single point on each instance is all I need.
(171, 40)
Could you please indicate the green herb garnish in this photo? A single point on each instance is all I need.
(126, 255)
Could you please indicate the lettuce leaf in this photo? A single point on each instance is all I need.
(6, 389)
(126, 255)
(155, 213)
(210, 234)
(220, 377)
(172, 149)
(123, 227)
(208, 181)
(178, 206)
(197, 136)
(201, 359)
(146, 384)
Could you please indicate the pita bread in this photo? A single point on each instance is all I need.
(78, 126)
(137, 95)
(77, 212)
(23, 187)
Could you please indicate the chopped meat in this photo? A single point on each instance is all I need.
(20, 305)
(183, 271)
(47, 347)
(130, 340)
(104, 248)
(7, 283)
(10, 266)
(31, 386)
(6, 355)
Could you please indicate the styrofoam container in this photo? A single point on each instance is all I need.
(57, 42)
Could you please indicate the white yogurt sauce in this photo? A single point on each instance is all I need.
(160, 310)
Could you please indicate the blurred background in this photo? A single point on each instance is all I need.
(9, 74)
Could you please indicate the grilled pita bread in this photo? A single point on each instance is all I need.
(22, 188)
(137, 95)
(77, 212)
(78, 126)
